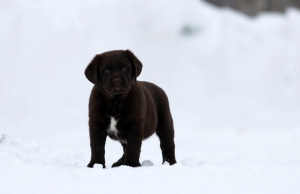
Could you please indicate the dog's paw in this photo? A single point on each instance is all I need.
(171, 161)
(117, 164)
(91, 164)
(132, 164)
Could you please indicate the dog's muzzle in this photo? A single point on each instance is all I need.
(117, 81)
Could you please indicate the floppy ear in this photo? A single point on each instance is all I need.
(91, 71)
(136, 62)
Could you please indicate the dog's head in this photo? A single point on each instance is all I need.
(114, 71)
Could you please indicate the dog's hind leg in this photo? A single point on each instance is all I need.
(122, 159)
(165, 132)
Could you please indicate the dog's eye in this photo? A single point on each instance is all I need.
(124, 69)
(106, 70)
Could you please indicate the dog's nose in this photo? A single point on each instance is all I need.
(117, 80)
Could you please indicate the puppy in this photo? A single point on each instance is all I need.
(125, 109)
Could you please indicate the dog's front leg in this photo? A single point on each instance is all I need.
(133, 147)
(97, 142)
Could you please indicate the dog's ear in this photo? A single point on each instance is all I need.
(91, 71)
(136, 62)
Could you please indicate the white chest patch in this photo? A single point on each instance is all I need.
(112, 129)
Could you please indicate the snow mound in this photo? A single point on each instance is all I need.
(147, 163)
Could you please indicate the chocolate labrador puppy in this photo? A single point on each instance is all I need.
(125, 109)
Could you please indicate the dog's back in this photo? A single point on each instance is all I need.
(160, 101)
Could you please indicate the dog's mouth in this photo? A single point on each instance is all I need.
(118, 90)
(117, 86)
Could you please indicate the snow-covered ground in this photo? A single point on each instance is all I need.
(233, 84)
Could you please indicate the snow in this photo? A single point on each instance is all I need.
(233, 84)
(147, 163)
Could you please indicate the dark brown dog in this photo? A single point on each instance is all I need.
(125, 109)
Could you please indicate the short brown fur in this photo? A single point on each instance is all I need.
(140, 108)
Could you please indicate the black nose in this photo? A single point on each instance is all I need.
(117, 80)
